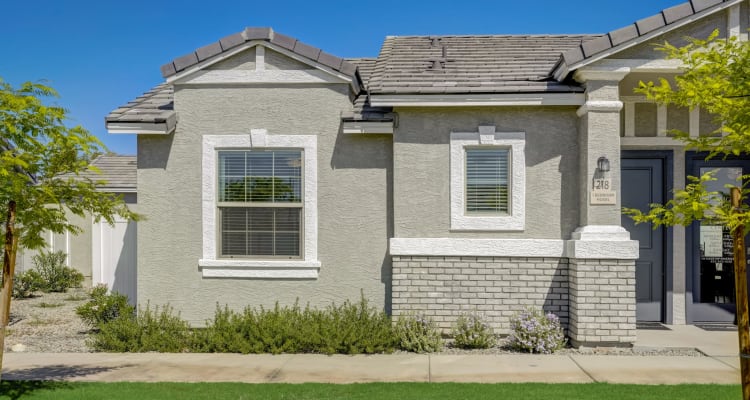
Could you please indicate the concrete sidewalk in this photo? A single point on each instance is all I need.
(153, 367)
(719, 365)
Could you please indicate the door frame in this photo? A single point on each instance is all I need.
(667, 159)
(692, 161)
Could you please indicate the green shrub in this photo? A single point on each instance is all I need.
(472, 332)
(351, 328)
(150, 330)
(417, 333)
(55, 275)
(534, 332)
(26, 283)
(104, 307)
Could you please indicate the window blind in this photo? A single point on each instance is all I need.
(487, 174)
(260, 203)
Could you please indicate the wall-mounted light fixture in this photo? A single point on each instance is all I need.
(602, 164)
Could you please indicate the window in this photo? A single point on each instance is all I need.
(259, 208)
(487, 180)
(260, 203)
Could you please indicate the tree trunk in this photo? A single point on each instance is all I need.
(9, 265)
(740, 287)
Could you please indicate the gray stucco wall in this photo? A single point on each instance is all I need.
(353, 199)
(421, 147)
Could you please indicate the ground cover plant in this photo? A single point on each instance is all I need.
(471, 331)
(41, 390)
(534, 331)
(349, 328)
(418, 333)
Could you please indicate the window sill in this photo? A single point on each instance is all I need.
(260, 269)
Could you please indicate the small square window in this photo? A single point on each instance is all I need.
(487, 180)
(487, 172)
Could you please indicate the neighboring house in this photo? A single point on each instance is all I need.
(447, 175)
(104, 254)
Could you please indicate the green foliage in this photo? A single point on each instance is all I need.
(418, 333)
(159, 330)
(104, 307)
(472, 332)
(68, 390)
(351, 328)
(54, 275)
(715, 78)
(534, 332)
(41, 165)
(26, 283)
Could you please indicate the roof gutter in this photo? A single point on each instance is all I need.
(483, 99)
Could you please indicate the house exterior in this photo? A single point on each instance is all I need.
(103, 253)
(449, 174)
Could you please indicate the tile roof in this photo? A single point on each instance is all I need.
(577, 56)
(471, 64)
(365, 65)
(154, 106)
(118, 171)
(216, 49)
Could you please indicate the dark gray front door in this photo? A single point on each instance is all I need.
(643, 184)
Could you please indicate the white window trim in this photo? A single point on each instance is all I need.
(215, 267)
(486, 136)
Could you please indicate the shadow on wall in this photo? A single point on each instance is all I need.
(125, 274)
(154, 151)
(371, 152)
(556, 300)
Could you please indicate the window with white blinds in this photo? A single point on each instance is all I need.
(487, 172)
(260, 203)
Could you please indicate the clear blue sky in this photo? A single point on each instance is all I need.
(101, 54)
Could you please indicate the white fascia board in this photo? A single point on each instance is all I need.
(616, 69)
(360, 127)
(562, 69)
(139, 128)
(650, 141)
(469, 100)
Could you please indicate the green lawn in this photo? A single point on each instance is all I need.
(400, 391)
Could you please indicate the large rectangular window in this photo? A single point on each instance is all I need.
(260, 203)
(487, 171)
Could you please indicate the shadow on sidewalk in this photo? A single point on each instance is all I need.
(55, 372)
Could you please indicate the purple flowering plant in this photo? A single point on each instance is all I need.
(471, 331)
(533, 331)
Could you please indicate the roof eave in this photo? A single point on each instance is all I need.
(564, 67)
(478, 99)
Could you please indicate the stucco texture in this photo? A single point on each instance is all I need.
(353, 193)
(421, 147)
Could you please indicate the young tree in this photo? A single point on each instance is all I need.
(716, 78)
(41, 162)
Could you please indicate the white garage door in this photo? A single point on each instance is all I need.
(114, 257)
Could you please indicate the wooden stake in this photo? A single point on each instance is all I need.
(9, 265)
(740, 287)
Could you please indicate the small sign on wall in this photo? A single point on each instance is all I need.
(602, 192)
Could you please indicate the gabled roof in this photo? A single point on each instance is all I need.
(118, 171)
(471, 64)
(225, 45)
(636, 33)
(153, 107)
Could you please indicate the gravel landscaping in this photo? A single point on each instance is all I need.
(48, 323)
